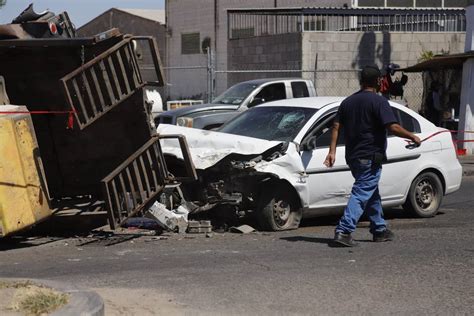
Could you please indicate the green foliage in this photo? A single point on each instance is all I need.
(426, 55)
(2, 3)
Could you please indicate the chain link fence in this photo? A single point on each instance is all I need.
(328, 82)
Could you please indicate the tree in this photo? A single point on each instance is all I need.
(2, 3)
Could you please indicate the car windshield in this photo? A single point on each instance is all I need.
(235, 95)
(270, 123)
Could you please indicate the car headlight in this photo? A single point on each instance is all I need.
(185, 121)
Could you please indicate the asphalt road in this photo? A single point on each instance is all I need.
(427, 270)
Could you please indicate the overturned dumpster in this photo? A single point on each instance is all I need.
(87, 99)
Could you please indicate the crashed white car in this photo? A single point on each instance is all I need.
(268, 162)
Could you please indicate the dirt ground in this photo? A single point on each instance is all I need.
(6, 302)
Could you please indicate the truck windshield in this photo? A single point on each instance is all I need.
(235, 95)
(270, 123)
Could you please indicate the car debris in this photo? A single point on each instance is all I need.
(242, 229)
(234, 171)
(175, 221)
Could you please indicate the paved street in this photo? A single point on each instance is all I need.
(428, 270)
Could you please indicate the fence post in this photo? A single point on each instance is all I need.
(208, 68)
(211, 75)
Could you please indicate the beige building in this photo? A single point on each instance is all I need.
(195, 25)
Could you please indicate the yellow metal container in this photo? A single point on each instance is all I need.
(23, 200)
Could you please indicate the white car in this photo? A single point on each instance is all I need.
(268, 162)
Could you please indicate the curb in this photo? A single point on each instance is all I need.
(82, 302)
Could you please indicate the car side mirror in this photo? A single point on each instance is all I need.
(309, 145)
(256, 101)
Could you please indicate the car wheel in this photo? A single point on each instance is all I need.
(425, 195)
(279, 209)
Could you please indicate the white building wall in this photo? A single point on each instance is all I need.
(187, 16)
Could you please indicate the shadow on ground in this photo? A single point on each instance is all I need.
(83, 219)
(389, 214)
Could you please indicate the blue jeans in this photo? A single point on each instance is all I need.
(364, 197)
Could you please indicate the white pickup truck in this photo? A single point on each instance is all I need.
(235, 100)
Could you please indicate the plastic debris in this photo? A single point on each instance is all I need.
(243, 229)
(176, 221)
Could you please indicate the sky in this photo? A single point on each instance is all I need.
(80, 11)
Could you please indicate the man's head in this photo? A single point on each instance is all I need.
(370, 77)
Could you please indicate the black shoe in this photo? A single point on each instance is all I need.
(344, 239)
(385, 235)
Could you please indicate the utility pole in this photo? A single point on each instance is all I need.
(466, 115)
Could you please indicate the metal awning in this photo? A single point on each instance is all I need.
(454, 61)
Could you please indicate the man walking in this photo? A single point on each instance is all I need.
(366, 117)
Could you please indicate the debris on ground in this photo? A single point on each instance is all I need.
(242, 229)
(175, 221)
(199, 227)
(142, 223)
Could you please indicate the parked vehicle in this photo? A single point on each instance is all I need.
(236, 99)
(269, 161)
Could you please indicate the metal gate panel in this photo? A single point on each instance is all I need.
(102, 83)
(140, 179)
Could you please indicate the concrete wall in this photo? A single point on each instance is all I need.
(350, 50)
(265, 52)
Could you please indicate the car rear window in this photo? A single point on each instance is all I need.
(407, 121)
(300, 90)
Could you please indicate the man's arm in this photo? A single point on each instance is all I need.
(399, 131)
(331, 157)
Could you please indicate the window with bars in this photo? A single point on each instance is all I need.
(412, 3)
(190, 43)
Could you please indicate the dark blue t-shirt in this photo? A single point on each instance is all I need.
(365, 116)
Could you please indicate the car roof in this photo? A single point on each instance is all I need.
(312, 102)
(265, 80)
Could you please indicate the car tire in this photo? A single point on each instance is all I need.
(425, 195)
(279, 208)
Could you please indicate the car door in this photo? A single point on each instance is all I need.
(401, 160)
(329, 188)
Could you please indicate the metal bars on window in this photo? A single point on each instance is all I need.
(254, 22)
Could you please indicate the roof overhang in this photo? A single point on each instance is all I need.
(454, 61)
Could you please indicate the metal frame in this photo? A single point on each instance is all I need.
(104, 82)
(296, 20)
(155, 55)
(100, 74)
(141, 178)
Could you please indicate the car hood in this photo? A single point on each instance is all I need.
(197, 108)
(209, 147)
